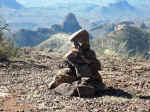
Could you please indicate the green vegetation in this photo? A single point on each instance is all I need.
(129, 41)
(30, 38)
(7, 49)
(135, 40)
(57, 42)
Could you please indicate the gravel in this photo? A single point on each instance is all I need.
(25, 85)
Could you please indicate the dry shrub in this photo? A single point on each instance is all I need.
(7, 48)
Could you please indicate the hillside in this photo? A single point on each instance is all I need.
(23, 85)
(122, 39)
(31, 38)
(56, 42)
(102, 29)
(135, 39)
(126, 40)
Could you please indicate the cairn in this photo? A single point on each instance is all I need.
(78, 74)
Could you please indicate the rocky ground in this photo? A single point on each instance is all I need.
(24, 85)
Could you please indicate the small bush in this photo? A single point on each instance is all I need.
(128, 42)
(7, 48)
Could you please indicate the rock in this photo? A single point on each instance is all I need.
(50, 50)
(3, 65)
(81, 35)
(70, 24)
(65, 89)
(4, 94)
(76, 89)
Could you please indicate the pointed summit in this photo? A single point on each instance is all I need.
(70, 24)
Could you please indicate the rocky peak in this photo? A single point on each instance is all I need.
(70, 24)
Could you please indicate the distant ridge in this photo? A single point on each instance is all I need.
(33, 38)
(114, 8)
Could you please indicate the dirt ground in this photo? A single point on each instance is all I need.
(24, 85)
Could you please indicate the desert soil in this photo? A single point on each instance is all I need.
(24, 85)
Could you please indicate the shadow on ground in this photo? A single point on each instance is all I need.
(145, 97)
(110, 91)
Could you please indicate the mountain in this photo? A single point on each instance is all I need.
(130, 39)
(125, 40)
(118, 9)
(70, 24)
(25, 37)
(11, 4)
(87, 12)
(102, 29)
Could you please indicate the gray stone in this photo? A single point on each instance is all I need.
(65, 89)
(80, 90)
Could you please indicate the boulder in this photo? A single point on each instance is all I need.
(78, 88)
(66, 89)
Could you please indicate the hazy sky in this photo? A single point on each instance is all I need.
(37, 3)
(30, 3)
